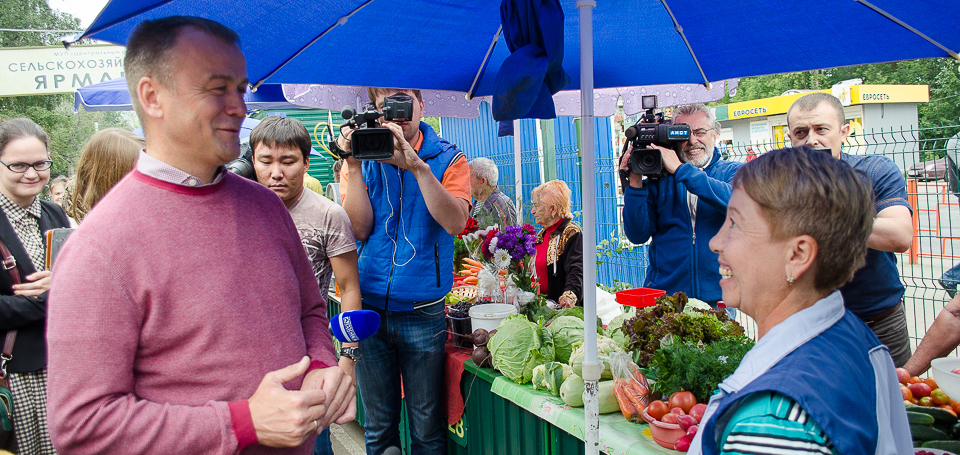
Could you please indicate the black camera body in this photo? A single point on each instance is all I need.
(370, 142)
(653, 129)
(243, 165)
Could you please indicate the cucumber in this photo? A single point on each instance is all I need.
(927, 433)
(949, 446)
(920, 418)
(955, 431)
(940, 415)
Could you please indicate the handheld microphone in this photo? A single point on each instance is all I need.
(392, 450)
(353, 326)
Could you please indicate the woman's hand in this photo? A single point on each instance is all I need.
(37, 283)
(566, 302)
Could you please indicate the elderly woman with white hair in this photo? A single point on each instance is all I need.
(492, 207)
(818, 380)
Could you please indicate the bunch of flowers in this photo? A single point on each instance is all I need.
(473, 240)
(512, 249)
(471, 227)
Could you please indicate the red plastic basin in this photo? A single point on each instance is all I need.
(639, 297)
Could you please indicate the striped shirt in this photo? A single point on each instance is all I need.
(771, 423)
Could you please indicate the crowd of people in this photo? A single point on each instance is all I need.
(187, 313)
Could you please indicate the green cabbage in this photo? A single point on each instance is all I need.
(614, 330)
(554, 375)
(567, 331)
(519, 346)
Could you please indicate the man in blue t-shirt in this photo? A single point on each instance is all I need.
(875, 294)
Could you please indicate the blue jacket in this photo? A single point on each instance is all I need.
(680, 259)
(851, 415)
(407, 261)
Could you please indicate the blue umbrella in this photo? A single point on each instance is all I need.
(113, 95)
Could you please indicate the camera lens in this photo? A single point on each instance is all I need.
(648, 160)
(372, 142)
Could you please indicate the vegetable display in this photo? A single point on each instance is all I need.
(694, 367)
(519, 346)
(667, 317)
(567, 332)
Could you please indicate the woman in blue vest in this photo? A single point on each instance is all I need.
(818, 380)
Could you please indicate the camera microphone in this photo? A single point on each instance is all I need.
(392, 450)
(348, 112)
(353, 326)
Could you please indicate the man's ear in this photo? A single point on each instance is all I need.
(150, 94)
(306, 165)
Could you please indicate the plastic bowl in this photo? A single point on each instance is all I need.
(639, 297)
(665, 434)
(947, 381)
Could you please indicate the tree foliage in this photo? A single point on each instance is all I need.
(940, 74)
(68, 131)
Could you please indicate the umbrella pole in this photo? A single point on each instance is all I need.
(517, 170)
(591, 367)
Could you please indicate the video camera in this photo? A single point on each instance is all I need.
(243, 165)
(653, 129)
(370, 142)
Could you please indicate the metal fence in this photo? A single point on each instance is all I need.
(918, 152)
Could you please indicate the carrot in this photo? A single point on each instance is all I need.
(472, 262)
(474, 269)
(468, 272)
(470, 280)
(626, 406)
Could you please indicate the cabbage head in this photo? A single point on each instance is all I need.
(567, 332)
(519, 346)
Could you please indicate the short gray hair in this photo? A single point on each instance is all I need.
(811, 101)
(485, 168)
(697, 108)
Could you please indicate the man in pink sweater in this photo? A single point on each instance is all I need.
(184, 316)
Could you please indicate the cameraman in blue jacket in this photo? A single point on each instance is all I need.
(683, 210)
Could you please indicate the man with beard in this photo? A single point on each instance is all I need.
(683, 210)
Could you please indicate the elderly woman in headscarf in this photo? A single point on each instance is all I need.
(559, 258)
(818, 379)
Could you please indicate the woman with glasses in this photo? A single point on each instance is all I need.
(24, 218)
(106, 158)
(559, 258)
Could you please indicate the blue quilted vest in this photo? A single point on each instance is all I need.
(407, 260)
(845, 408)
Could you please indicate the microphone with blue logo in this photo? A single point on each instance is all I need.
(356, 325)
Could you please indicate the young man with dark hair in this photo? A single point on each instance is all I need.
(281, 157)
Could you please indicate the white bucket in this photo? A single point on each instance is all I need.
(489, 315)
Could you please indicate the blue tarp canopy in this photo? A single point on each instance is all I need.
(443, 45)
(113, 95)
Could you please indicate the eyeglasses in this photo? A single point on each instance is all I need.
(701, 132)
(20, 168)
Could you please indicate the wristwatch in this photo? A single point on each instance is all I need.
(352, 353)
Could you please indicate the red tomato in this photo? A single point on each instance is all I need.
(697, 411)
(903, 375)
(926, 401)
(931, 382)
(949, 409)
(920, 390)
(657, 409)
(907, 394)
(670, 418)
(677, 411)
(954, 404)
(939, 397)
(914, 380)
(683, 400)
(907, 402)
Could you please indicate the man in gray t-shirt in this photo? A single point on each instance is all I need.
(281, 157)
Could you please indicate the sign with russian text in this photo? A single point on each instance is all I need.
(47, 70)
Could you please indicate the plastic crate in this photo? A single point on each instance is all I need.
(639, 297)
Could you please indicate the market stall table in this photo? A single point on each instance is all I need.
(489, 414)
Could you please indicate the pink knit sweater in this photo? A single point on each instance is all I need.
(168, 306)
